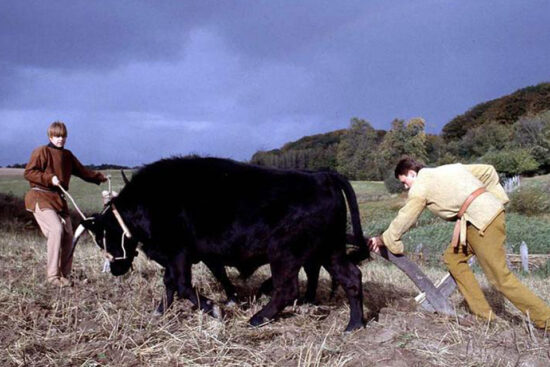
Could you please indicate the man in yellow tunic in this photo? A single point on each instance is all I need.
(475, 192)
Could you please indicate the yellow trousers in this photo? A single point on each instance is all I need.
(491, 255)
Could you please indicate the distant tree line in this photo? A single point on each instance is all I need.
(17, 165)
(317, 152)
(105, 166)
(512, 133)
(95, 167)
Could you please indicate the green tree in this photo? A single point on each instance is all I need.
(404, 139)
(435, 148)
(489, 136)
(512, 162)
(355, 149)
(415, 143)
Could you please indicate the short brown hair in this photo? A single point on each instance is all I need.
(57, 128)
(407, 164)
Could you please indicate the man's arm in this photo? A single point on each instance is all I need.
(488, 175)
(86, 174)
(34, 170)
(406, 217)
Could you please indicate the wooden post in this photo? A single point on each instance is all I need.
(524, 252)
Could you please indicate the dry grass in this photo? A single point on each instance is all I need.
(106, 321)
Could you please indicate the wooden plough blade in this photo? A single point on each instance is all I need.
(437, 296)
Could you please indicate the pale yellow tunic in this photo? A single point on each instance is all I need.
(443, 190)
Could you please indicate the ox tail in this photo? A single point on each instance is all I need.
(358, 239)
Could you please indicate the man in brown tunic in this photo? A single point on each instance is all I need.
(51, 166)
(472, 196)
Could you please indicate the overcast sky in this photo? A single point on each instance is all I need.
(136, 81)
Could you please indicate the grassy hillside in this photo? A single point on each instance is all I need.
(511, 132)
(504, 110)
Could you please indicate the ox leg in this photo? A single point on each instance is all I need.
(221, 275)
(285, 283)
(186, 290)
(266, 287)
(312, 271)
(170, 287)
(333, 287)
(349, 276)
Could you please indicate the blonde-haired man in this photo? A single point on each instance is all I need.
(472, 196)
(51, 166)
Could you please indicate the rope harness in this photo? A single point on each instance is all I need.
(125, 231)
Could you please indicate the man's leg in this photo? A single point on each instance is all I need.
(457, 263)
(66, 261)
(491, 255)
(52, 228)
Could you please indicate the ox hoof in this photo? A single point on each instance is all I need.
(354, 326)
(259, 321)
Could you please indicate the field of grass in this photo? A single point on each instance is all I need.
(106, 321)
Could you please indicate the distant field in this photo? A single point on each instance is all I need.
(87, 195)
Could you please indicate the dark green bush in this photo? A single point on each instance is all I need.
(511, 162)
(530, 200)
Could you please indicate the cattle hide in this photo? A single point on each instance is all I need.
(225, 213)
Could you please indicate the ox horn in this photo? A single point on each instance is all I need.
(124, 177)
(78, 232)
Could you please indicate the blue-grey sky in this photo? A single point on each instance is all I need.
(136, 81)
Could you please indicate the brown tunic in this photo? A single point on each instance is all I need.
(46, 162)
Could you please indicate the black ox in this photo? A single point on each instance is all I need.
(185, 210)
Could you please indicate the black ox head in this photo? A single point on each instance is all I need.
(113, 237)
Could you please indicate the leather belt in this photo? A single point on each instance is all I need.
(41, 189)
(456, 233)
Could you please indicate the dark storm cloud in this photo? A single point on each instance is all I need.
(138, 80)
(67, 35)
(103, 34)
